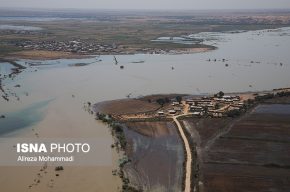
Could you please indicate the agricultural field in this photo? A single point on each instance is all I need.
(250, 153)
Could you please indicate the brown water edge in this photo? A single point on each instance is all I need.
(72, 179)
(64, 118)
(156, 153)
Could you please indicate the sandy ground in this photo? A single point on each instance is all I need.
(126, 106)
(42, 55)
(191, 50)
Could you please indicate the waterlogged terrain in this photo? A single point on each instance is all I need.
(245, 154)
(154, 146)
(248, 61)
(278, 109)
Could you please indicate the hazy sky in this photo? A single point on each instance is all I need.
(148, 4)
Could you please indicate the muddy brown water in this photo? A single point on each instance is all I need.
(156, 160)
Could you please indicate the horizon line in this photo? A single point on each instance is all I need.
(137, 9)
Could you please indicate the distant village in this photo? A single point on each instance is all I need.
(85, 48)
(21, 32)
(74, 46)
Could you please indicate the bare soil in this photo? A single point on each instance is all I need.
(126, 106)
(43, 55)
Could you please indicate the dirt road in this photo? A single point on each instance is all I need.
(188, 156)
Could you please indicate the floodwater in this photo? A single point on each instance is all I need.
(279, 109)
(23, 118)
(5, 69)
(257, 60)
(19, 27)
(161, 151)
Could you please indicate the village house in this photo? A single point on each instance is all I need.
(196, 108)
(171, 112)
(160, 113)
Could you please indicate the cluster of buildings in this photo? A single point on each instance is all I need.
(75, 46)
(85, 47)
(214, 106)
(205, 106)
(21, 32)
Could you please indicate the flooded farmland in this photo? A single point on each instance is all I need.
(253, 58)
(248, 154)
(155, 146)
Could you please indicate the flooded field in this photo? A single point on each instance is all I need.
(203, 130)
(248, 154)
(155, 146)
(68, 84)
(278, 109)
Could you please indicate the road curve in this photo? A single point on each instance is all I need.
(188, 155)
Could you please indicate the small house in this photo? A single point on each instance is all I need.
(177, 109)
(172, 112)
(160, 113)
(198, 113)
(196, 108)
